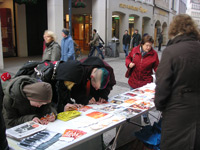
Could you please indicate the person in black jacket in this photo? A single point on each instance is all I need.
(160, 41)
(136, 38)
(126, 42)
(3, 140)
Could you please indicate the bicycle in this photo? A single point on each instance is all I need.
(77, 50)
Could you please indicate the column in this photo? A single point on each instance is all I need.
(138, 24)
(55, 17)
(1, 50)
(21, 30)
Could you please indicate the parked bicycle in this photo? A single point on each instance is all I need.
(77, 50)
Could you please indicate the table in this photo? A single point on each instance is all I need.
(137, 101)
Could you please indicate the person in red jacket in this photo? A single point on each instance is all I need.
(143, 59)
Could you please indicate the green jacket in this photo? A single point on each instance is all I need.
(16, 106)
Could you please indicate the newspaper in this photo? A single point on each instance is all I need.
(24, 130)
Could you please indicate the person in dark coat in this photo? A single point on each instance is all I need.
(126, 42)
(3, 140)
(178, 87)
(136, 38)
(24, 100)
(160, 41)
(78, 83)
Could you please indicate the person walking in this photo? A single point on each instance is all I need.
(52, 50)
(136, 38)
(67, 46)
(126, 42)
(178, 86)
(160, 41)
(94, 43)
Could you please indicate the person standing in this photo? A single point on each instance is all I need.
(52, 50)
(95, 43)
(178, 86)
(143, 59)
(126, 42)
(160, 41)
(67, 46)
(136, 38)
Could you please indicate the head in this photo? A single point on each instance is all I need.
(136, 31)
(99, 78)
(49, 36)
(94, 31)
(65, 32)
(182, 24)
(146, 43)
(39, 93)
(126, 32)
(145, 34)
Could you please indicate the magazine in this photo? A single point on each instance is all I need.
(25, 129)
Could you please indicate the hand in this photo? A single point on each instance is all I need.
(43, 122)
(131, 65)
(92, 101)
(52, 118)
(71, 107)
(102, 100)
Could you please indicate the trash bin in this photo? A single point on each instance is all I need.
(114, 45)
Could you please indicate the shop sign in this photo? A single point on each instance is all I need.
(142, 10)
(162, 13)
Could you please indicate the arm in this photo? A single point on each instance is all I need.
(71, 49)
(129, 58)
(155, 66)
(164, 75)
(11, 115)
(94, 39)
(56, 53)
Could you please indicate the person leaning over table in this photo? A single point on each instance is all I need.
(52, 50)
(178, 86)
(145, 60)
(26, 99)
(90, 82)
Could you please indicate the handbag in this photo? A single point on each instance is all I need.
(129, 70)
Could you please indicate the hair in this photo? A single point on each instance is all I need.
(65, 31)
(183, 24)
(147, 38)
(103, 76)
(95, 30)
(51, 34)
(136, 30)
(126, 30)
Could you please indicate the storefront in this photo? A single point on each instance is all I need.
(161, 20)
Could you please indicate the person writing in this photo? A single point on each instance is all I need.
(178, 85)
(52, 50)
(24, 100)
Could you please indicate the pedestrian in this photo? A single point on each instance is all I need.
(136, 38)
(178, 86)
(143, 59)
(94, 43)
(67, 46)
(26, 99)
(126, 42)
(160, 41)
(52, 50)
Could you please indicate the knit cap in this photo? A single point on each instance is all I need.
(38, 92)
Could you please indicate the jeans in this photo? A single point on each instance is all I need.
(125, 48)
(99, 51)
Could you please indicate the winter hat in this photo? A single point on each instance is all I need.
(65, 31)
(38, 92)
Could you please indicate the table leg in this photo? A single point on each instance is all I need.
(115, 140)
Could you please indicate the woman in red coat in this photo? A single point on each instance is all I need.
(142, 59)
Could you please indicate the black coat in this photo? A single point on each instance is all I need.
(126, 39)
(79, 90)
(178, 94)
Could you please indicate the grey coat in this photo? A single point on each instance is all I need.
(52, 52)
(16, 106)
(178, 94)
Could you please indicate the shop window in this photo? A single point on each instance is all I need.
(115, 26)
(131, 26)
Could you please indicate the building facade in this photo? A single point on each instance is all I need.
(110, 18)
(193, 10)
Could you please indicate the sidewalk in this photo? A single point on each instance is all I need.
(12, 65)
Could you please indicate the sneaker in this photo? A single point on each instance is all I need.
(146, 119)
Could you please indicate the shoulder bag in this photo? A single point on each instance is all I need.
(129, 70)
